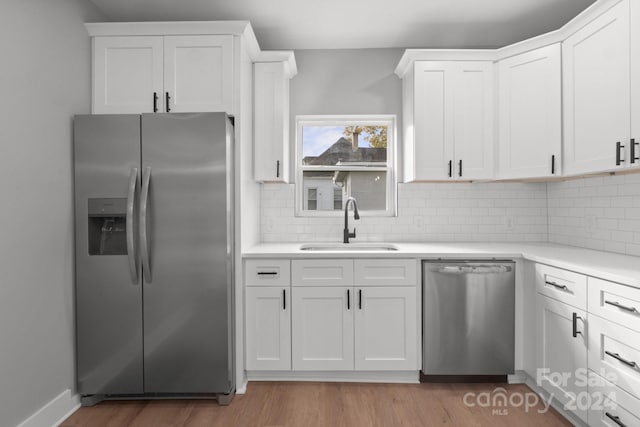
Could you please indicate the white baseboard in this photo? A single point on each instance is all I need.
(572, 418)
(55, 412)
(404, 377)
(241, 388)
(519, 377)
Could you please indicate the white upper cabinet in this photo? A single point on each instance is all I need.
(271, 122)
(634, 143)
(596, 93)
(127, 72)
(448, 121)
(530, 114)
(145, 74)
(198, 73)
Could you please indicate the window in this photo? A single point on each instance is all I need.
(338, 157)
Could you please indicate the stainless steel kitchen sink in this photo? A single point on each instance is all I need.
(350, 247)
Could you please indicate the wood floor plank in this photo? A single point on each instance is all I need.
(309, 404)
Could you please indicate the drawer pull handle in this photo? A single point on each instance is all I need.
(267, 273)
(617, 356)
(624, 307)
(555, 285)
(575, 331)
(615, 419)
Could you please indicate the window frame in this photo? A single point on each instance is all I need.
(388, 120)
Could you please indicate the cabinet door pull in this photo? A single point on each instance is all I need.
(619, 358)
(284, 299)
(348, 299)
(267, 273)
(619, 148)
(450, 168)
(615, 419)
(277, 168)
(460, 168)
(555, 285)
(155, 102)
(553, 164)
(575, 331)
(360, 299)
(166, 100)
(633, 150)
(624, 307)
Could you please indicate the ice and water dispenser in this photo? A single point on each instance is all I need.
(107, 226)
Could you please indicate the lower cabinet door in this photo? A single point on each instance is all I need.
(562, 357)
(386, 328)
(268, 328)
(322, 333)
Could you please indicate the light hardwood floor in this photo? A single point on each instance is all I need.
(298, 404)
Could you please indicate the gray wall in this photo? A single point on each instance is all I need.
(45, 75)
(349, 81)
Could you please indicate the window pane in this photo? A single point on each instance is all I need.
(360, 145)
(369, 189)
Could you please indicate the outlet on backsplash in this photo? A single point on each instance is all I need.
(508, 223)
(592, 222)
(418, 222)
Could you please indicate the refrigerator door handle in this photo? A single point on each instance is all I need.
(131, 248)
(144, 248)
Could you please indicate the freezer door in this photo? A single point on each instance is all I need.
(186, 201)
(108, 286)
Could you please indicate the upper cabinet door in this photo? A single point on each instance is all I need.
(127, 71)
(271, 122)
(198, 73)
(452, 121)
(530, 114)
(432, 121)
(473, 120)
(596, 93)
(634, 144)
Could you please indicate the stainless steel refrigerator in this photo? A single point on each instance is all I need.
(154, 255)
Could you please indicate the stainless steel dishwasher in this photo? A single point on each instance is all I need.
(468, 317)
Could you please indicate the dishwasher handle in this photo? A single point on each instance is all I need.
(477, 269)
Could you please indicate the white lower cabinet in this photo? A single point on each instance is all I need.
(610, 406)
(386, 329)
(268, 328)
(345, 328)
(322, 333)
(562, 357)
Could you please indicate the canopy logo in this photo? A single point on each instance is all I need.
(501, 401)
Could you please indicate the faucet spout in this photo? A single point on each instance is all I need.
(356, 215)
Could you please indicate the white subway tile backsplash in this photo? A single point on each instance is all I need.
(600, 213)
(447, 212)
(597, 213)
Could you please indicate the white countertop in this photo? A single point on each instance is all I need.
(605, 265)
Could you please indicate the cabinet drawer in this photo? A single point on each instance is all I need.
(563, 285)
(616, 408)
(267, 272)
(615, 302)
(614, 352)
(322, 272)
(385, 272)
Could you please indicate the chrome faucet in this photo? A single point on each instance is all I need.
(346, 233)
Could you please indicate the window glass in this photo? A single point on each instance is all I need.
(341, 157)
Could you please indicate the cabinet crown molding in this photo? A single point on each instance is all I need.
(556, 36)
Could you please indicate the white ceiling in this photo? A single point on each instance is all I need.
(343, 24)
